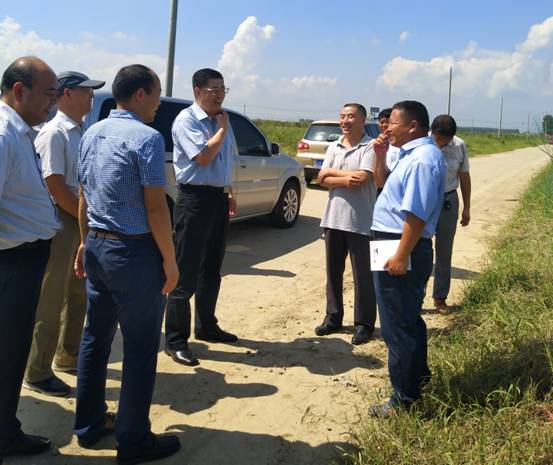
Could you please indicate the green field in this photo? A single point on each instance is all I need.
(287, 134)
(490, 401)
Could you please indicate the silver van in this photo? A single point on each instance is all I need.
(265, 181)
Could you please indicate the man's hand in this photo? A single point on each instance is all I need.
(222, 120)
(353, 181)
(397, 265)
(79, 265)
(465, 217)
(171, 276)
(381, 144)
(231, 205)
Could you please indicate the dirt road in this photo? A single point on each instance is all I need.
(279, 395)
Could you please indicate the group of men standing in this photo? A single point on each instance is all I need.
(93, 204)
(392, 188)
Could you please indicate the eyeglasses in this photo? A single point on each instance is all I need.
(216, 90)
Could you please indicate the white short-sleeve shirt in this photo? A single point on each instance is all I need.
(457, 160)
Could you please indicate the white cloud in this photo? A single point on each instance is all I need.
(123, 36)
(477, 72)
(404, 36)
(87, 55)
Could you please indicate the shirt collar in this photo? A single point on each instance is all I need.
(199, 112)
(66, 121)
(16, 120)
(364, 141)
(125, 114)
(413, 144)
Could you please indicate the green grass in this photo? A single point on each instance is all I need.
(490, 400)
(287, 134)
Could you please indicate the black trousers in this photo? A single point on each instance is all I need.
(201, 222)
(338, 244)
(21, 272)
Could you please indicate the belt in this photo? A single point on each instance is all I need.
(450, 192)
(203, 188)
(116, 235)
(32, 245)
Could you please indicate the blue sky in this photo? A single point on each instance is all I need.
(288, 60)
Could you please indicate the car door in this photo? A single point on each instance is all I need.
(257, 172)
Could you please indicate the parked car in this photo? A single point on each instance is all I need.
(311, 149)
(265, 181)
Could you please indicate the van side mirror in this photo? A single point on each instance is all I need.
(275, 149)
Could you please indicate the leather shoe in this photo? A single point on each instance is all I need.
(51, 387)
(26, 444)
(215, 335)
(157, 448)
(327, 328)
(183, 356)
(90, 438)
(382, 411)
(361, 334)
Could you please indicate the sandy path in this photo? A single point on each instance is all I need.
(280, 395)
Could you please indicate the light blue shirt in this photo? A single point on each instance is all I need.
(191, 131)
(26, 209)
(118, 157)
(416, 185)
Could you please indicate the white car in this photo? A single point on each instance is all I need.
(265, 181)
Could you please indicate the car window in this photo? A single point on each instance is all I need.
(321, 132)
(372, 130)
(248, 139)
(166, 114)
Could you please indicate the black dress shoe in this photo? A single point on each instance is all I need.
(361, 334)
(51, 387)
(26, 444)
(183, 356)
(90, 438)
(215, 335)
(159, 447)
(327, 328)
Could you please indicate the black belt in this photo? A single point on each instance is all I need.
(200, 188)
(117, 235)
(32, 245)
(450, 192)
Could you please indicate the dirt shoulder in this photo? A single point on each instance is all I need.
(280, 395)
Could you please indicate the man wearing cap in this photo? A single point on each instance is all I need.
(62, 305)
(28, 221)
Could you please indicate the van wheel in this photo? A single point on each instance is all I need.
(287, 209)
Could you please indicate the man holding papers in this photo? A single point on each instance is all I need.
(407, 210)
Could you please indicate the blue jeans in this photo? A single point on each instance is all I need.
(125, 278)
(400, 301)
(21, 272)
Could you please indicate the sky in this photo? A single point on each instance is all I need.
(306, 58)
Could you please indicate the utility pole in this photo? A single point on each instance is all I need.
(171, 53)
(449, 95)
(500, 119)
(528, 126)
(244, 109)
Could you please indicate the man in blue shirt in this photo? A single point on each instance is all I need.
(28, 221)
(407, 210)
(128, 255)
(203, 159)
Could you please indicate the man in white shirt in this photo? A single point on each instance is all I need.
(28, 221)
(62, 304)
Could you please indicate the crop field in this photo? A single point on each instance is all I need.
(287, 134)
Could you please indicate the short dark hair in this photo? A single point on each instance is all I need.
(360, 108)
(200, 77)
(444, 125)
(21, 70)
(414, 111)
(131, 78)
(385, 113)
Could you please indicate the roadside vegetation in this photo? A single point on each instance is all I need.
(490, 400)
(288, 133)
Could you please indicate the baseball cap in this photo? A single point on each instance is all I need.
(71, 79)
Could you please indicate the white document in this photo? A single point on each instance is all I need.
(381, 251)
